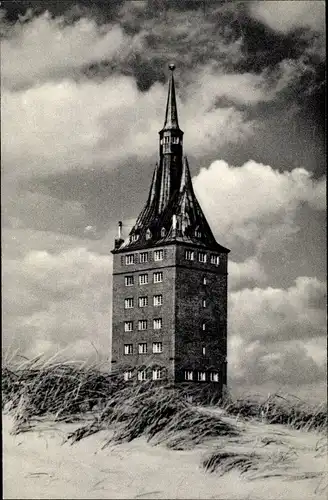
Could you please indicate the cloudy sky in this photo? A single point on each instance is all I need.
(83, 90)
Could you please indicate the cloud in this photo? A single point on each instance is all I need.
(54, 302)
(246, 274)
(47, 48)
(287, 16)
(278, 335)
(248, 204)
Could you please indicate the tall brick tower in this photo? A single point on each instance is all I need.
(170, 279)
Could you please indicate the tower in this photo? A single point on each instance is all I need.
(170, 279)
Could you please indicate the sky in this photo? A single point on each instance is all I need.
(83, 95)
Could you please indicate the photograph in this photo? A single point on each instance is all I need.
(164, 277)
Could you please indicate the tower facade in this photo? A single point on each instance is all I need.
(169, 317)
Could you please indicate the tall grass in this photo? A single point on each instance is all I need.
(161, 413)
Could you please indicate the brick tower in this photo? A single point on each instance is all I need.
(170, 279)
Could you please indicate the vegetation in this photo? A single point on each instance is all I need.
(161, 413)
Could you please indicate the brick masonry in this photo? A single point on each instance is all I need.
(182, 313)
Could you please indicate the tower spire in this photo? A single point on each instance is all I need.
(171, 115)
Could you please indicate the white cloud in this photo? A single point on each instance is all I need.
(254, 202)
(278, 335)
(245, 274)
(46, 48)
(285, 16)
(52, 302)
(275, 315)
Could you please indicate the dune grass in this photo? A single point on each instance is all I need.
(162, 413)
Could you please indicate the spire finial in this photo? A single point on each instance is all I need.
(171, 115)
(172, 66)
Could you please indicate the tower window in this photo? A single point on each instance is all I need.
(128, 280)
(204, 351)
(142, 324)
(204, 280)
(133, 237)
(202, 376)
(129, 259)
(204, 302)
(128, 303)
(158, 277)
(214, 376)
(158, 255)
(127, 375)
(128, 326)
(158, 373)
(175, 140)
(157, 347)
(157, 324)
(158, 300)
(143, 257)
(202, 257)
(143, 279)
(128, 348)
(142, 375)
(142, 348)
(204, 327)
(148, 234)
(163, 232)
(215, 259)
(166, 140)
(143, 301)
(189, 255)
(189, 375)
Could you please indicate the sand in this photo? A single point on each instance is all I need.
(37, 465)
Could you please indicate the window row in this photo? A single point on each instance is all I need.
(143, 348)
(202, 376)
(143, 279)
(157, 374)
(202, 257)
(143, 301)
(143, 257)
(143, 325)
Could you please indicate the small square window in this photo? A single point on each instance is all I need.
(143, 257)
(128, 303)
(204, 280)
(142, 375)
(128, 280)
(204, 351)
(142, 324)
(127, 375)
(158, 300)
(158, 277)
(202, 376)
(128, 326)
(189, 255)
(157, 347)
(142, 348)
(215, 259)
(143, 279)
(157, 324)
(202, 257)
(128, 348)
(129, 259)
(214, 377)
(143, 301)
(204, 302)
(189, 375)
(158, 255)
(158, 374)
(204, 327)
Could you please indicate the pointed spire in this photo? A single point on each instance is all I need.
(185, 177)
(171, 115)
(153, 187)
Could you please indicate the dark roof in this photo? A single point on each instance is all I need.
(172, 212)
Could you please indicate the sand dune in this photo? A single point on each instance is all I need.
(38, 464)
